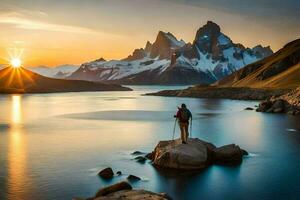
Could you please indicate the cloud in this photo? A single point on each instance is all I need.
(29, 24)
(262, 8)
(35, 20)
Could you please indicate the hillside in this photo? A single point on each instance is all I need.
(21, 80)
(280, 70)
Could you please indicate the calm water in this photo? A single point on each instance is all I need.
(53, 145)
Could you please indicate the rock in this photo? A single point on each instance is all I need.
(133, 178)
(196, 154)
(245, 153)
(278, 104)
(174, 154)
(140, 159)
(264, 106)
(248, 108)
(134, 195)
(138, 153)
(228, 154)
(106, 173)
(150, 156)
(287, 103)
(119, 173)
(270, 110)
(278, 110)
(113, 188)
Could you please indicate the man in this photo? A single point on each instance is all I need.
(184, 115)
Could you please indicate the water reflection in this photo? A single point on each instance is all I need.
(16, 151)
(16, 117)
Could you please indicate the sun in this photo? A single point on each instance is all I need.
(16, 62)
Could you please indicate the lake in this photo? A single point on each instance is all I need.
(53, 145)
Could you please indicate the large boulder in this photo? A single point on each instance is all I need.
(173, 154)
(228, 154)
(196, 154)
(134, 195)
(113, 188)
(124, 191)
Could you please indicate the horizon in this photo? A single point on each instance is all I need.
(97, 31)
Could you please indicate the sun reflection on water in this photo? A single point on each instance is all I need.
(16, 117)
(16, 152)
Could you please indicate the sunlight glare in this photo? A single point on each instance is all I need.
(15, 62)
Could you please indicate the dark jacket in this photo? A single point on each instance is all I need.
(179, 115)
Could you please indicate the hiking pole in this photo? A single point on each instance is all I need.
(191, 127)
(174, 129)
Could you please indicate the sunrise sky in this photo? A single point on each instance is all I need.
(58, 32)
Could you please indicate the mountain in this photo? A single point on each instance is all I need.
(21, 80)
(274, 79)
(61, 71)
(280, 70)
(211, 56)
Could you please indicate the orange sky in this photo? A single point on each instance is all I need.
(72, 32)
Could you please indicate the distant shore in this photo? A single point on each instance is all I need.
(235, 93)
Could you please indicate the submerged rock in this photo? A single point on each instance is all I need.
(133, 178)
(140, 159)
(196, 154)
(137, 153)
(119, 173)
(106, 173)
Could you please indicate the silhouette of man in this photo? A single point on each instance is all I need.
(184, 115)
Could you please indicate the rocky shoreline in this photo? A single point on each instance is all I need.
(288, 103)
(172, 155)
(235, 93)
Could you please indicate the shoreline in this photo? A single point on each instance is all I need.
(233, 93)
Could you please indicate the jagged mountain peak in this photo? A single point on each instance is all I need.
(148, 47)
(168, 38)
(210, 29)
(136, 55)
(210, 57)
(100, 60)
(165, 45)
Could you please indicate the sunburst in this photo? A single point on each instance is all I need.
(15, 62)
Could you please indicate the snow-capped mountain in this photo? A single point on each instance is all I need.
(210, 57)
(61, 71)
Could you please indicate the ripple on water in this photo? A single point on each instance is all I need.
(292, 130)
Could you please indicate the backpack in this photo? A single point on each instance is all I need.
(185, 115)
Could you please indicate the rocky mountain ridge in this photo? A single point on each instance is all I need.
(211, 56)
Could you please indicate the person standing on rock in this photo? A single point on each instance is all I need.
(184, 115)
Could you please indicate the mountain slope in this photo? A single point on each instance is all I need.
(24, 81)
(280, 70)
(210, 57)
